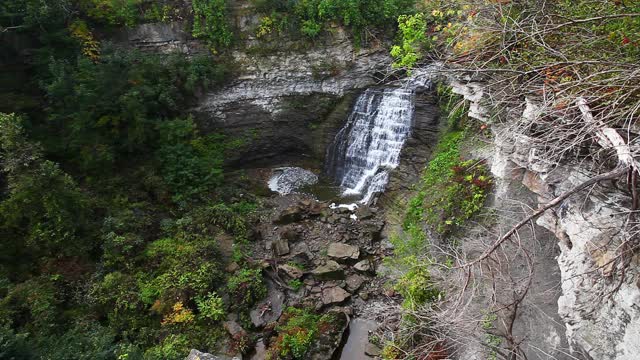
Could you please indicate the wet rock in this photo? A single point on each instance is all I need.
(372, 350)
(291, 271)
(329, 340)
(198, 355)
(343, 251)
(331, 270)
(354, 282)
(363, 266)
(233, 328)
(334, 295)
(280, 247)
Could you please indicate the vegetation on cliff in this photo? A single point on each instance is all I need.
(559, 76)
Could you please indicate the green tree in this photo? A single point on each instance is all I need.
(413, 39)
(210, 22)
(43, 212)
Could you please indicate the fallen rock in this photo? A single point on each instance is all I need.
(291, 271)
(372, 350)
(198, 355)
(289, 215)
(343, 251)
(261, 351)
(363, 266)
(269, 309)
(354, 282)
(364, 213)
(280, 247)
(334, 295)
(331, 270)
(329, 340)
(290, 234)
(233, 328)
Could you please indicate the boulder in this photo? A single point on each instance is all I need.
(329, 340)
(291, 271)
(334, 295)
(280, 247)
(289, 215)
(331, 270)
(261, 351)
(343, 251)
(270, 309)
(372, 350)
(233, 328)
(354, 282)
(290, 234)
(363, 266)
(364, 213)
(198, 355)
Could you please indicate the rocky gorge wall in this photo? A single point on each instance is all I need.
(287, 97)
(288, 100)
(599, 316)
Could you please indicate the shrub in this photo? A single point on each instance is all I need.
(295, 284)
(210, 23)
(173, 347)
(416, 286)
(296, 329)
(413, 37)
(246, 287)
(211, 306)
(114, 12)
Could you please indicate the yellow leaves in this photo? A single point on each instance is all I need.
(178, 315)
(90, 46)
(266, 27)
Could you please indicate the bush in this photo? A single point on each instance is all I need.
(211, 307)
(246, 288)
(173, 347)
(297, 329)
(210, 23)
(114, 12)
(413, 29)
(416, 286)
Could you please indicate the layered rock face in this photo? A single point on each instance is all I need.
(599, 313)
(292, 101)
(288, 97)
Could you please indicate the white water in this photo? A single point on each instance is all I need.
(369, 145)
(287, 180)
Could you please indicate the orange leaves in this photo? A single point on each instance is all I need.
(179, 315)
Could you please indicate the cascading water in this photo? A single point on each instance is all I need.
(369, 145)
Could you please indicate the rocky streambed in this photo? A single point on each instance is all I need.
(321, 258)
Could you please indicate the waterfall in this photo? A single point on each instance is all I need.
(368, 146)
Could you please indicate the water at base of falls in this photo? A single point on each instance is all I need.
(369, 145)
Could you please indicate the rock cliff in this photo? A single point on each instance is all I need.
(599, 313)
